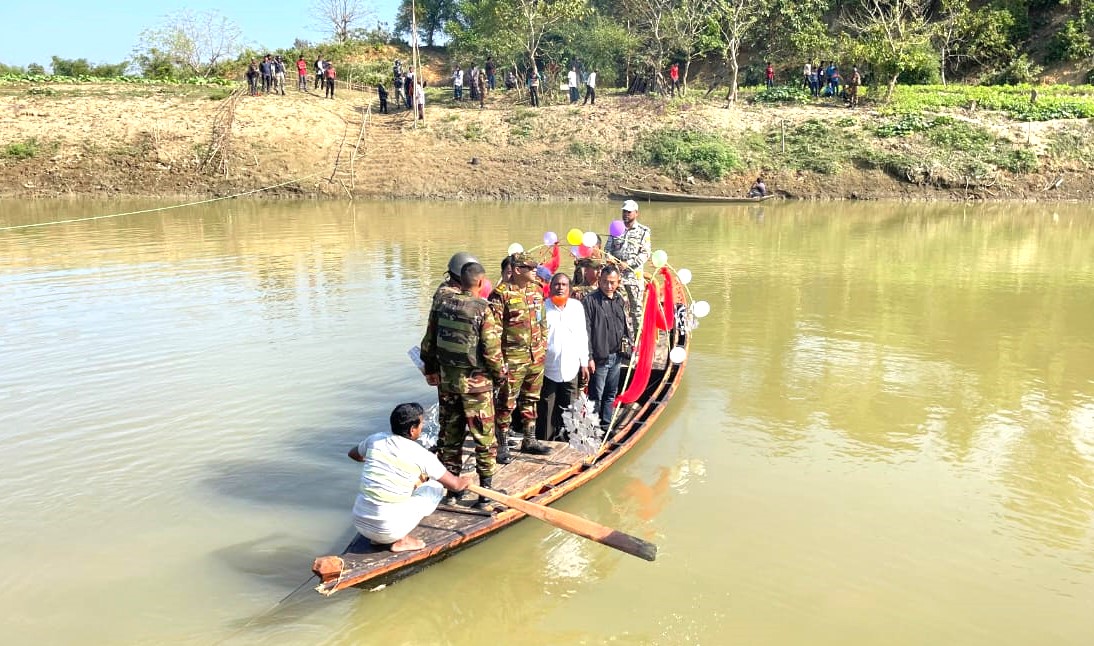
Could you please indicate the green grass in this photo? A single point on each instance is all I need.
(687, 152)
(520, 123)
(22, 149)
(1053, 101)
(583, 150)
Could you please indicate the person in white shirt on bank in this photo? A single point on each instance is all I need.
(567, 358)
(590, 88)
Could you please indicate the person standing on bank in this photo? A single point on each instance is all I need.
(590, 88)
(571, 84)
(632, 250)
(330, 76)
(606, 323)
(401, 482)
(567, 357)
(518, 308)
(461, 351)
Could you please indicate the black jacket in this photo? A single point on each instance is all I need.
(606, 321)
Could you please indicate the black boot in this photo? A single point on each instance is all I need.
(504, 456)
(533, 446)
(483, 502)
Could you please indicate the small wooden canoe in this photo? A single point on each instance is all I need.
(540, 479)
(658, 196)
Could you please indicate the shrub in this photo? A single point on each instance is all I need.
(782, 94)
(22, 150)
(1018, 70)
(904, 125)
(1071, 43)
(687, 152)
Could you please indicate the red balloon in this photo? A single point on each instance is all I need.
(584, 252)
(487, 288)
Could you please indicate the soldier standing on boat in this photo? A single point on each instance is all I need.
(452, 282)
(518, 307)
(632, 250)
(462, 354)
(586, 275)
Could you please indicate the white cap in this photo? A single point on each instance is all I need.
(630, 205)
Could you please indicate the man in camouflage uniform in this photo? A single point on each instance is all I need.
(518, 307)
(451, 282)
(631, 251)
(586, 275)
(461, 351)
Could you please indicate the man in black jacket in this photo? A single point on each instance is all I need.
(606, 320)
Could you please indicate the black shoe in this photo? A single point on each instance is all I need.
(534, 447)
(504, 456)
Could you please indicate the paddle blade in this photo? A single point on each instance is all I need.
(631, 545)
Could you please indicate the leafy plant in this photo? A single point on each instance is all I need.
(1071, 43)
(782, 94)
(22, 150)
(687, 152)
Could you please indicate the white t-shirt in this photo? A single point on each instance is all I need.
(567, 341)
(590, 80)
(393, 467)
(571, 78)
(457, 78)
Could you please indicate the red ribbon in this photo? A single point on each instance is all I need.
(555, 261)
(668, 314)
(646, 347)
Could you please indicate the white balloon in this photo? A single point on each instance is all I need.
(700, 308)
(684, 275)
(516, 247)
(678, 354)
(589, 239)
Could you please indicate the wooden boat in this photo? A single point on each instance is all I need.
(540, 479)
(658, 196)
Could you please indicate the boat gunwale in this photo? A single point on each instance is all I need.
(662, 196)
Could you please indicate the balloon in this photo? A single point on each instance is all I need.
(700, 308)
(617, 228)
(516, 247)
(678, 354)
(543, 272)
(584, 252)
(684, 275)
(487, 288)
(573, 236)
(659, 258)
(574, 250)
(589, 239)
(550, 238)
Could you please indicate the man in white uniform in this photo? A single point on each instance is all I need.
(401, 482)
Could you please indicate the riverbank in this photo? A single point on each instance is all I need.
(149, 140)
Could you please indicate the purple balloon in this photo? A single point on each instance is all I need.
(574, 249)
(616, 228)
(550, 238)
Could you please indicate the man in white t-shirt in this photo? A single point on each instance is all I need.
(590, 88)
(567, 357)
(571, 84)
(401, 482)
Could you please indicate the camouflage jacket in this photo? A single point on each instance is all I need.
(490, 360)
(449, 286)
(523, 320)
(581, 291)
(633, 248)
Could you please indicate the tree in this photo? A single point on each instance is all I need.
(196, 43)
(794, 29)
(892, 34)
(963, 35)
(737, 21)
(690, 28)
(431, 15)
(341, 16)
(653, 18)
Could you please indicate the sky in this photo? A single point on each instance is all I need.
(107, 31)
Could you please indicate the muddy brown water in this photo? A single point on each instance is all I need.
(885, 433)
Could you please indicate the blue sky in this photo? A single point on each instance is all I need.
(105, 32)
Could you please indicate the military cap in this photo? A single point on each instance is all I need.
(524, 259)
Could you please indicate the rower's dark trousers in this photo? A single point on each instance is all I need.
(329, 92)
(590, 95)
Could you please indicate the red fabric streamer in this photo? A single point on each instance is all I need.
(646, 347)
(555, 261)
(669, 311)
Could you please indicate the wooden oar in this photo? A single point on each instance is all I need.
(574, 524)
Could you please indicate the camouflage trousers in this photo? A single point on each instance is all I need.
(635, 294)
(520, 394)
(458, 413)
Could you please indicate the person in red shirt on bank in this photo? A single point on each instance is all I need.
(769, 76)
(674, 78)
(330, 76)
(302, 74)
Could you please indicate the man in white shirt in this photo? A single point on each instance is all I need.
(571, 83)
(401, 482)
(567, 357)
(590, 88)
(457, 84)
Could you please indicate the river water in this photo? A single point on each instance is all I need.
(885, 433)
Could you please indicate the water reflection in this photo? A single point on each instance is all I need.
(888, 403)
